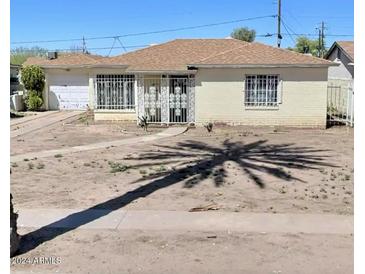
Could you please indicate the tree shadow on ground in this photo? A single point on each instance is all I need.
(197, 160)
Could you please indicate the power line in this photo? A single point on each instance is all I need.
(111, 47)
(316, 35)
(287, 29)
(98, 48)
(149, 32)
(120, 42)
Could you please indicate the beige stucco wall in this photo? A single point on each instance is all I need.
(220, 97)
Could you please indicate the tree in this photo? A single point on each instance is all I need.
(306, 45)
(19, 55)
(244, 34)
(14, 236)
(33, 80)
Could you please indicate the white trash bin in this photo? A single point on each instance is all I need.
(16, 102)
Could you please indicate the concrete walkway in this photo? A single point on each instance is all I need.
(169, 132)
(186, 221)
(19, 128)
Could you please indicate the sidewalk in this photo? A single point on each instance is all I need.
(169, 132)
(186, 221)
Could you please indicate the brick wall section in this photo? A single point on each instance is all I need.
(220, 97)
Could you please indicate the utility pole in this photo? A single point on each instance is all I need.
(279, 23)
(319, 42)
(83, 45)
(322, 39)
(321, 48)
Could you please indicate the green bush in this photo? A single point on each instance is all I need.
(33, 101)
(33, 78)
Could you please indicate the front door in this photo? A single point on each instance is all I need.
(178, 100)
(152, 99)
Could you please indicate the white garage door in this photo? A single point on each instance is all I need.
(69, 97)
(68, 91)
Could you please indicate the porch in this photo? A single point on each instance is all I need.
(162, 99)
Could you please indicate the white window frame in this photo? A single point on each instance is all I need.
(262, 103)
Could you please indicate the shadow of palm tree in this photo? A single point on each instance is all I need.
(195, 161)
(203, 161)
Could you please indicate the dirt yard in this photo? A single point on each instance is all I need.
(80, 131)
(238, 169)
(110, 251)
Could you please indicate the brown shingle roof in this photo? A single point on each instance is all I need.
(348, 47)
(66, 59)
(260, 54)
(176, 55)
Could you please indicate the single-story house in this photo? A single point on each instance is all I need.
(193, 81)
(341, 52)
(14, 78)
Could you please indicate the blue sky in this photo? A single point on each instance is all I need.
(50, 20)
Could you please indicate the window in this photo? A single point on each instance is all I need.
(115, 92)
(261, 90)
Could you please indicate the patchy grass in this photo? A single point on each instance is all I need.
(117, 167)
(161, 168)
(40, 166)
(30, 165)
(142, 172)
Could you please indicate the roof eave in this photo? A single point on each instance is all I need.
(262, 65)
(328, 53)
(188, 71)
(83, 66)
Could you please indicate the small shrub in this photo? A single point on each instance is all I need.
(26, 159)
(161, 169)
(13, 164)
(143, 122)
(30, 165)
(33, 78)
(58, 156)
(40, 166)
(209, 127)
(143, 172)
(33, 101)
(117, 167)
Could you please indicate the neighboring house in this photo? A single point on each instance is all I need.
(193, 81)
(14, 78)
(341, 52)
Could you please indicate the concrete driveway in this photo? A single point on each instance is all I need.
(21, 126)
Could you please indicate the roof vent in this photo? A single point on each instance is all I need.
(52, 55)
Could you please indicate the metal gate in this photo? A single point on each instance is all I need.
(178, 100)
(152, 100)
(166, 99)
(340, 105)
